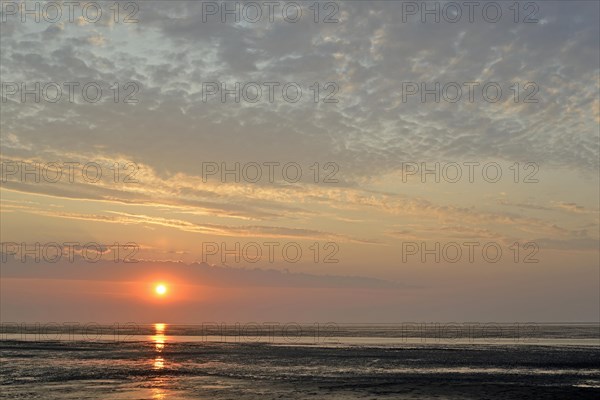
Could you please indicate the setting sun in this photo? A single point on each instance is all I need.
(160, 289)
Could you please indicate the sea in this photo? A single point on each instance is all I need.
(214, 361)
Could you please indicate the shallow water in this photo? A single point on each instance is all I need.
(161, 366)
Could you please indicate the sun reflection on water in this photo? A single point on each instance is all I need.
(159, 363)
(159, 339)
(158, 394)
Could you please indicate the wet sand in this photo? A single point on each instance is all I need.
(141, 370)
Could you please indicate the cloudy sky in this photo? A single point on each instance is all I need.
(366, 127)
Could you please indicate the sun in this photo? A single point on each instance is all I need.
(160, 289)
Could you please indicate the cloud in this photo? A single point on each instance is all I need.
(369, 53)
(193, 274)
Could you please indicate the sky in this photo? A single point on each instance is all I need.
(351, 188)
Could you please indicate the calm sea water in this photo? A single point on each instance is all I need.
(271, 361)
